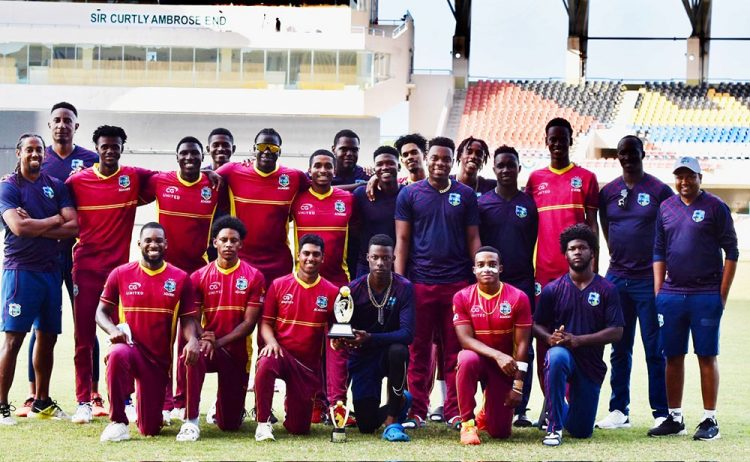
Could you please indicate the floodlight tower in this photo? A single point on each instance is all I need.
(578, 32)
(461, 10)
(699, 14)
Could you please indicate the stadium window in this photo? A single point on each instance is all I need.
(252, 67)
(277, 64)
(324, 66)
(300, 66)
(15, 55)
(181, 67)
(347, 67)
(206, 66)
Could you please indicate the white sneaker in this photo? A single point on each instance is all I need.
(553, 438)
(6, 414)
(189, 432)
(115, 431)
(264, 431)
(211, 414)
(615, 419)
(178, 413)
(83, 414)
(166, 419)
(131, 413)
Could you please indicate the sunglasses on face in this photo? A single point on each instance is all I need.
(263, 147)
(622, 201)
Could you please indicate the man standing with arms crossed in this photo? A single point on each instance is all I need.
(437, 231)
(36, 211)
(692, 284)
(628, 208)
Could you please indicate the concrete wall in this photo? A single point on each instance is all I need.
(430, 103)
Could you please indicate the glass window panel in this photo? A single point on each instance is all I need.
(13, 62)
(324, 66)
(300, 66)
(252, 62)
(40, 55)
(276, 67)
(348, 67)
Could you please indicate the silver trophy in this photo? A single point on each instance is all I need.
(343, 309)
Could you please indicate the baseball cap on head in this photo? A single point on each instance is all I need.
(690, 163)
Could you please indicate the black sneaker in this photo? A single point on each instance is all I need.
(522, 421)
(669, 427)
(6, 414)
(707, 430)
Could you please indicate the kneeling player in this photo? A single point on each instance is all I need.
(229, 293)
(149, 295)
(493, 325)
(383, 323)
(296, 313)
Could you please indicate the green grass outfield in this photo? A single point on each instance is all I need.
(52, 440)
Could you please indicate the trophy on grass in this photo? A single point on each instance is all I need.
(343, 309)
(339, 416)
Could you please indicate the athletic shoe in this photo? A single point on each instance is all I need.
(254, 416)
(6, 414)
(658, 421)
(82, 414)
(707, 430)
(669, 427)
(131, 413)
(24, 410)
(522, 420)
(264, 431)
(97, 406)
(614, 420)
(189, 432)
(454, 422)
(414, 421)
(211, 414)
(319, 413)
(115, 431)
(47, 409)
(339, 413)
(553, 438)
(178, 413)
(469, 433)
(480, 419)
(166, 419)
(436, 414)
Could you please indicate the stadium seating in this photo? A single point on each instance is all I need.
(515, 112)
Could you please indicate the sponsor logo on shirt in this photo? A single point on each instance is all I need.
(321, 303)
(216, 285)
(644, 199)
(306, 209)
(284, 181)
(134, 288)
(287, 299)
(206, 194)
(75, 290)
(505, 308)
(521, 212)
(699, 215)
(124, 182)
(542, 188)
(170, 285)
(340, 207)
(576, 182)
(594, 298)
(75, 164)
(14, 309)
(49, 193)
(171, 192)
(475, 309)
(241, 283)
(454, 199)
(537, 289)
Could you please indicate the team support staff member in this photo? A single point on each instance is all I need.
(692, 228)
(493, 325)
(36, 211)
(577, 315)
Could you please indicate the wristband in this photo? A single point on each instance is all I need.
(520, 392)
(518, 383)
(522, 366)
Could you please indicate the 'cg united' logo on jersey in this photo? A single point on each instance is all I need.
(521, 212)
(206, 193)
(339, 206)
(124, 181)
(454, 199)
(644, 199)
(49, 193)
(505, 308)
(576, 182)
(594, 298)
(170, 285)
(241, 284)
(284, 180)
(699, 215)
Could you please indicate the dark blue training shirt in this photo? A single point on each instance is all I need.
(581, 312)
(438, 252)
(373, 217)
(631, 228)
(56, 167)
(689, 238)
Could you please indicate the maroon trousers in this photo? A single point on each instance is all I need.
(230, 397)
(434, 314)
(88, 287)
(302, 383)
(473, 368)
(125, 364)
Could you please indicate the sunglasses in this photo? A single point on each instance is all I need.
(622, 201)
(263, 147)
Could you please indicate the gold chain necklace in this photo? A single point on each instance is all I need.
(381, 305)
(497, 303)
(444, 190)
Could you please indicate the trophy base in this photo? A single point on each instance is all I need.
(338, 435)
(339, 330)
